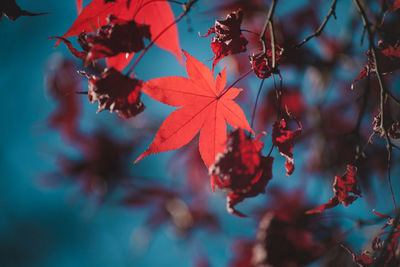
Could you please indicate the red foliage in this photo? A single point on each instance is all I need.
(241, 170)
(289, 233)
(262, 62)
(155, 14)
(204, 106)
(117, 37)
(342, 187)
(228, 37)
(388, 57)
(286, 236)
(284, 139)
(115, 92)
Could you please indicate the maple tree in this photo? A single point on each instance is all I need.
(325, 106)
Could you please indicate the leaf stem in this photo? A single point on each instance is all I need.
(234, 83)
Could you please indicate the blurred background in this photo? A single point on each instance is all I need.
(64, 203)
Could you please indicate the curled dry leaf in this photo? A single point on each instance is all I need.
(115, 92)
(228, 37)
(345, 188)
(118, 37)
(205, 107)
(392, 126)
(362, 261)
(241, 170)
(384, 253)
(284, 139)
(388, 57)
(286, 236)
(262, 62)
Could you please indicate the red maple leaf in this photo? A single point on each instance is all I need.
(342, 187)
(157, 14)
(204, 106)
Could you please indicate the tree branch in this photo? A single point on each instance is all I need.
(269, 23)
(322, 26)
(383, 91)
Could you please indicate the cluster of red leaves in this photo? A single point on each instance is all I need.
(345, 188)
(12, 11)
(284, 140)
(384, 253)
(286, 236)
(155, 14)
(118, 36)
(228, 37)
(124, 98)
(120, 29)
(241, 170)
(388, 57)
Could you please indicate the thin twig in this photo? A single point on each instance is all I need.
(81, 92)
(187, 6)
(255, 104)
(322, 26)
